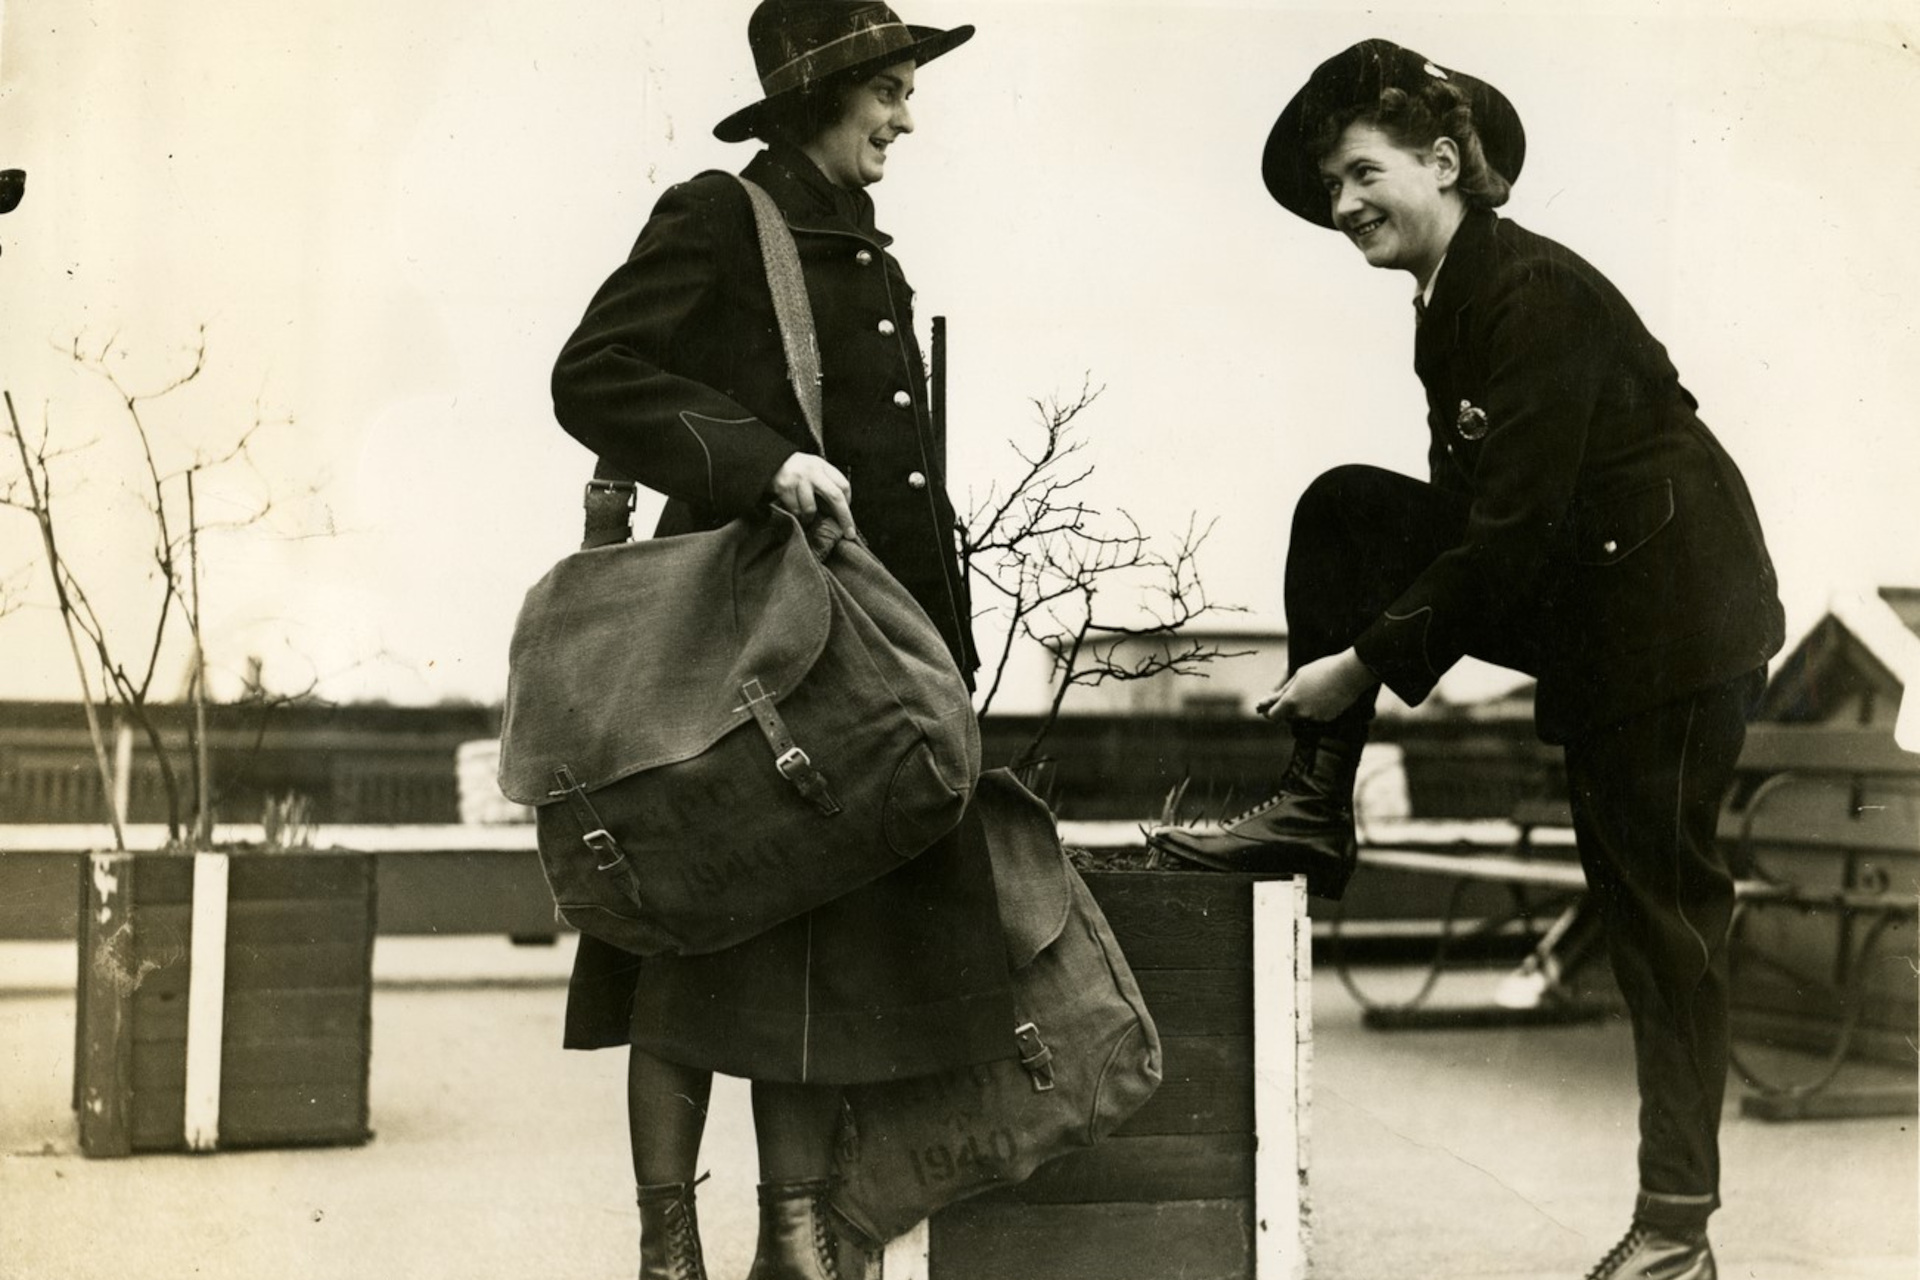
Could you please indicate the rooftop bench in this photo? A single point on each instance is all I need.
(1823, 831)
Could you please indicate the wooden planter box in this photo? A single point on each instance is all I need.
(1208, 1180)
(223, 1001)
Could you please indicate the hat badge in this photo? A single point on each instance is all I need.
(1434, 71)
(1472, 422)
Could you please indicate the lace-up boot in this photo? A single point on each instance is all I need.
(670, 1233)
(1305, 829)
(1657, 1253)
(801, 1238)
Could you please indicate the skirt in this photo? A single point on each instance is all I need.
(904, 976)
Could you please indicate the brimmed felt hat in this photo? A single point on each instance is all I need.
(797, 43)
(1354, 77)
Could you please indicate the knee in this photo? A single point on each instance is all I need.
(1335, 497)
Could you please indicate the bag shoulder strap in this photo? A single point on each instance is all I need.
(610, 496)
(790, 305)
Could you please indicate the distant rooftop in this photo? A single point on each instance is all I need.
(1905, 603)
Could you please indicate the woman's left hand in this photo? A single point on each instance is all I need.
(1321, 690)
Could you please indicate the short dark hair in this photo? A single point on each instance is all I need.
(1416, 120)
(797, 118)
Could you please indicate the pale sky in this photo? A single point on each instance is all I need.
(388, 217)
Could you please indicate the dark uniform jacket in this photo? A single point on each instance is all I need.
(1611, 546)
(677, 377)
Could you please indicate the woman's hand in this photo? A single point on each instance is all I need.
(815, 492)
(1321, 690)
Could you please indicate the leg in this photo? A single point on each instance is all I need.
(801, 1237)
(794, 1127)
(1646, 800)
(666, 1116)
(1360, 537)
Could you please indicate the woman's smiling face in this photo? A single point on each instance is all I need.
(1397, 205)
(852, 151)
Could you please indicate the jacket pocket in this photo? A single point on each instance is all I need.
(1608, 531)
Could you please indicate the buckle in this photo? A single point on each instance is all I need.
(601, 841)
(792, 761)
(628, 489)
(1035, 1056)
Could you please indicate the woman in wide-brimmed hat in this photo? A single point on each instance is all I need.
(677, 377)
(1579, 523)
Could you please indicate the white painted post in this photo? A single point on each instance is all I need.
(1283, 1015)
(122, 770)
(206, 1000)
(906, 1257)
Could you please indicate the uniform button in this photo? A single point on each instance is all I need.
(901, 400)
(1610, 546)
(864, 258)
(886, 328)
(916, 481)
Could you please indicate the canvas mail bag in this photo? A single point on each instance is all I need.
(1083, 1053)
(719, 732)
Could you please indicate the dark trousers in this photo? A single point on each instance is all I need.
(1646, 797)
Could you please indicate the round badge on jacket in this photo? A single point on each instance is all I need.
(1472, 422)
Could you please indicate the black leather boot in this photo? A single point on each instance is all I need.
(670, 1233)
(1658, 1253)
(1305, 829)
(801, 1238)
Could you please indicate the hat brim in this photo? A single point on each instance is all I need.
(1292, 174)
(928, 44)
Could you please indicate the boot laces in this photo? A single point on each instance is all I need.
(1255, 811)
(1604, 1269)
(824, 1245)
(687, 1259)
(683, 1236)
(1301, 762)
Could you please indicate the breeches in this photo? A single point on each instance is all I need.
(1361, 535)
(1646, 800)
(1646, 794)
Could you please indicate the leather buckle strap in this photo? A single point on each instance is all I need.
(609, 507)
(793, 763)
(593, 832)
(1035, 1056)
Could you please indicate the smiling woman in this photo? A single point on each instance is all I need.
(845, 124)
(852, 151)
(1382, 191)
(678, 378)
(1580, 524)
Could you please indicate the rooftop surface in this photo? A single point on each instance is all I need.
(1456, 1155)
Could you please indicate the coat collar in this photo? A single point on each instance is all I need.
(1467, 261)
(809, 201)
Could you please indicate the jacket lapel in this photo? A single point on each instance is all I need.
(1465, 267)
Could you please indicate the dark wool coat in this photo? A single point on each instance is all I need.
(1611, 548)
(677, 377)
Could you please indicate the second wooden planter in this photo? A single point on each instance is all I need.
(223, 1000)
(1207, 1181)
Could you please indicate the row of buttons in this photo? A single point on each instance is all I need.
(901, 399)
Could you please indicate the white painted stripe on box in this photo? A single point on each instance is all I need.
(206, 1000)
(1278, 1252)
(907, 1255)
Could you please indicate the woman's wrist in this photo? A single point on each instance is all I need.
(1358, 676)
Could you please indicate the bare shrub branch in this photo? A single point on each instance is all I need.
(127, 658)
(1092, 588)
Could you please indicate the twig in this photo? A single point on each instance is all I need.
(56, 567)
